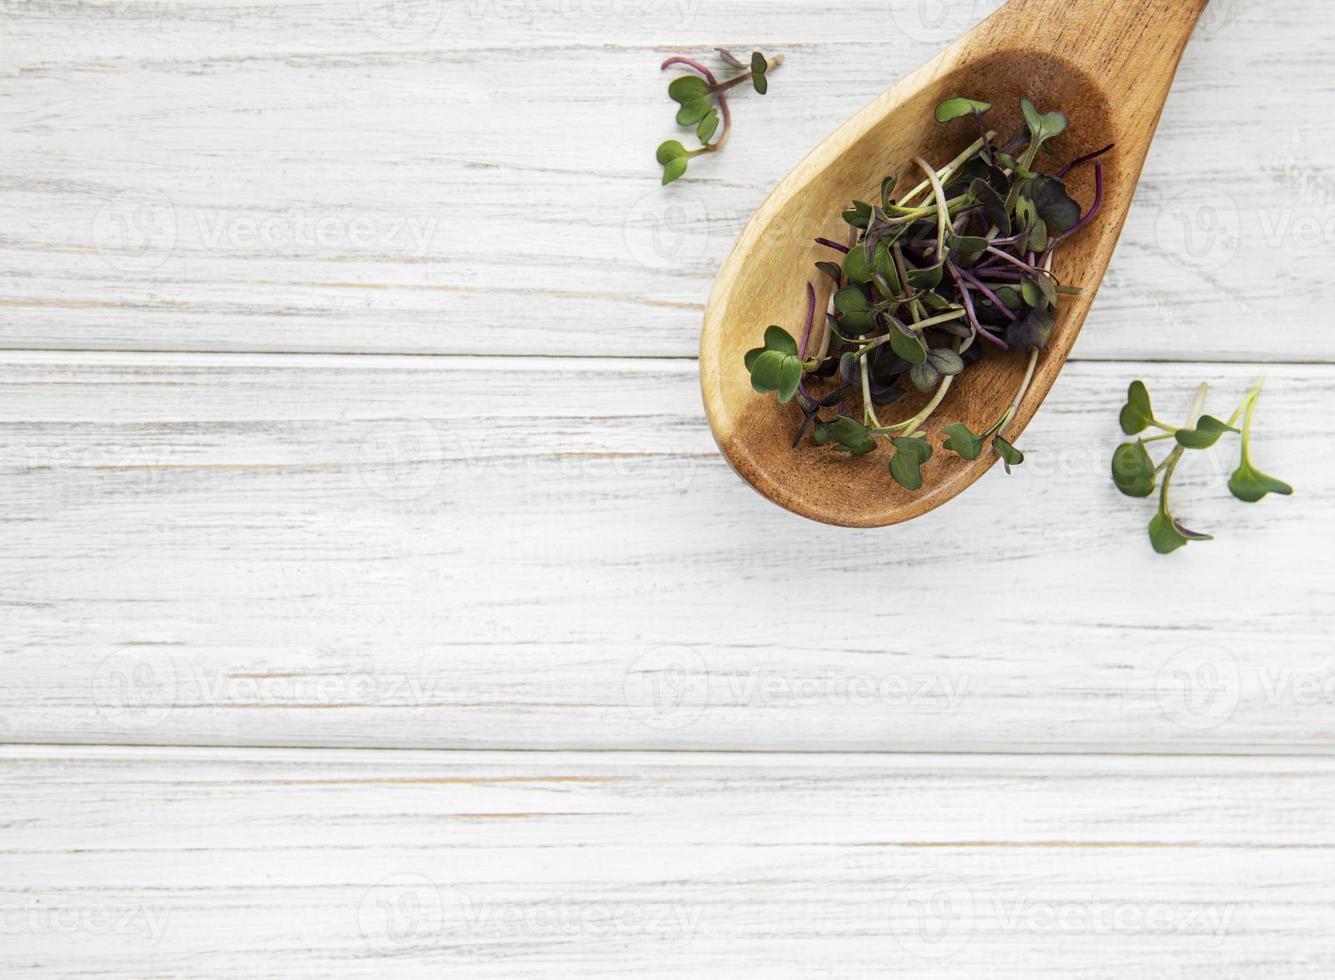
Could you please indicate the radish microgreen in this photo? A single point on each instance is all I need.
(960, 261)
(1136, 475)
(703, 106)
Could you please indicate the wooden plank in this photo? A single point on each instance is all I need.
(440, 552)
(478, 177)
(249, 863)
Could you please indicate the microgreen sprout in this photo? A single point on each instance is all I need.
(960, 262)
(703, 105)
(1137, 475)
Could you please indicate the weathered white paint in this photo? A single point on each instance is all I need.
(257, 549)
(311, 177)
(469, 553)
(227, 863)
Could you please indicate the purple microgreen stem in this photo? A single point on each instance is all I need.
(1026, 266)
(811, 319)
(991, 296)
(978, 328)
(1093, 209)
(1084, 159)
(834, 245)
(690, 63)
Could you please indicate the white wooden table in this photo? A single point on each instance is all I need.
(376, 604)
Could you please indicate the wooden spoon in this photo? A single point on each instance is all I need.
(1107, 64)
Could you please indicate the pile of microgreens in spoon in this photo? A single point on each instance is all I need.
(961, 261)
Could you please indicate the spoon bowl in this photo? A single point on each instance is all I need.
(1108, 67)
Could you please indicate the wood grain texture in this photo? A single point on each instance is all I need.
(547, 553)
(1109, 69)
(360, 176)
(295, 864)
(273, 549)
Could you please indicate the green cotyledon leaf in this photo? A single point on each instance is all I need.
(955, 108)
(906, 465)
(1168, 535)
(963, 441)
(1250, 485)
(1137, 413)
(1208, 431)
(1133, 470)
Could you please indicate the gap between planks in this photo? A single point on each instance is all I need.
(163, 355)
(55, 748)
